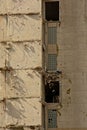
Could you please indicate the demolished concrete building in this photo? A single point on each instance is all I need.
(43, 64)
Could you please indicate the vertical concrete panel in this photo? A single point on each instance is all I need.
(24, 111)
(2, 114)
(25, 55)
(2, 55)
(3, 30)
(2, 85)
(24, 6)
(72, 58)
(20, 20)
(3, 7)
(24, 27)
(86, 8)
(23, 83)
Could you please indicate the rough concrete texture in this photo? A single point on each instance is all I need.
(23, 83)
(2, 85)
(73, 63)
(20, 27)
(2, 114)
(20, 56)
(20, 6)
(23, 111)
(25, 128)
(3, 28)
(27, 53)
(2, 55)
(17, 55)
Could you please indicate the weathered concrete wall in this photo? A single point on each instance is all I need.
(23, 111)
(20, 58)
(73, 63)
(20, 7)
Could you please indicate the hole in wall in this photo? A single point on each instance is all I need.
(52, 92)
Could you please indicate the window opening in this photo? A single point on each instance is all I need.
(52, 92)
(52, 35)
(52, 118)
(52, 82)
(52, 11)
(52, 62)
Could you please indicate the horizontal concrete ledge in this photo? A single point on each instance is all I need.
(10, 14)
(20, 41)
(13, 98)
(8, 69)
(35, 128)
(21, 128)
(72, 128)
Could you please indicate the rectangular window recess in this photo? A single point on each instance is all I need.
(52, 35)
(52, 118)
(52, 92)
(52, 11)
(52, 62)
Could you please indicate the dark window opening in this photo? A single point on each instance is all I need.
(52, 92)
(52, 11)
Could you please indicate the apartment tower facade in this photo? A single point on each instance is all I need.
(43, 64)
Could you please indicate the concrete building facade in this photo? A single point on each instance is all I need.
(39, 53)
